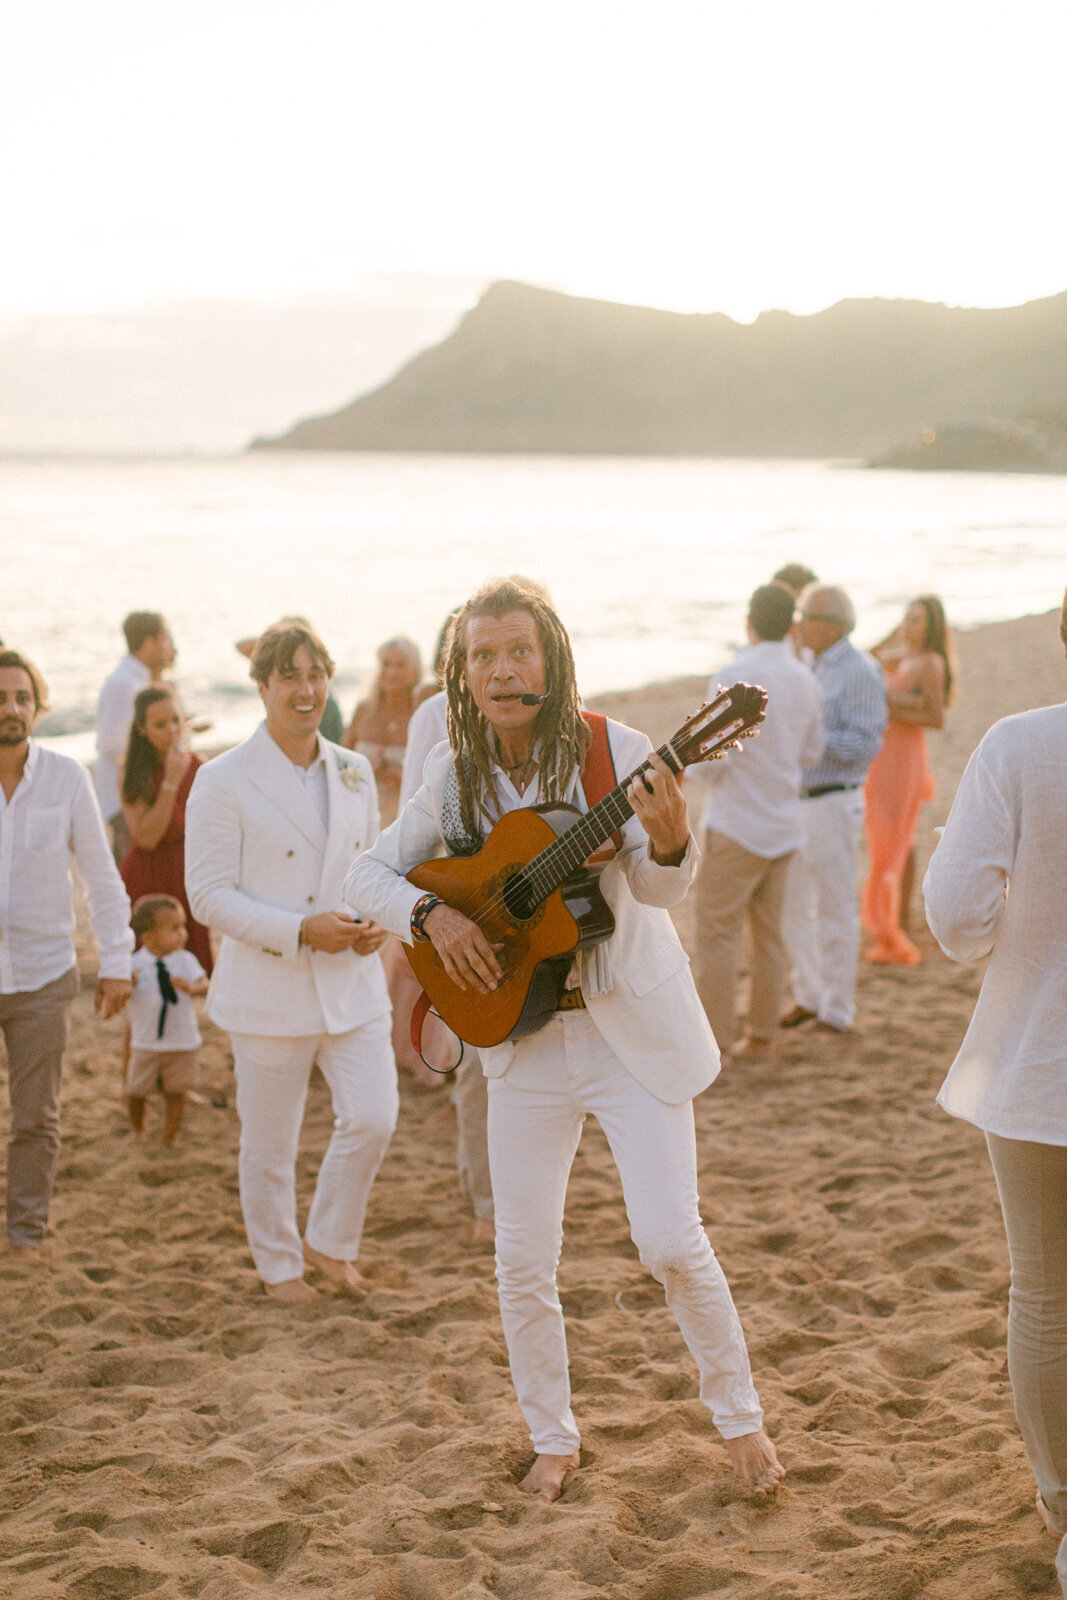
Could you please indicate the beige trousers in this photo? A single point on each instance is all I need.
(1032, 1180)
(734, 885)
(34, 1026)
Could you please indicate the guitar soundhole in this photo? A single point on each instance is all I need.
(519, 899)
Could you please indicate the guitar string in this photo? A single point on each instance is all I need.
(538, 873)
(539, 877)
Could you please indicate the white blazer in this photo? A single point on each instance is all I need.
(257, 862)
(651, 1016)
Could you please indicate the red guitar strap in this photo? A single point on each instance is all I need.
(598, 773)
(598, 778)
(418, 1017)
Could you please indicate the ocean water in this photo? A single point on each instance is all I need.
(650, 561)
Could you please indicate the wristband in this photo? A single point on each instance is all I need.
(419, 912)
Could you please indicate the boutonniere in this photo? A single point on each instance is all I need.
(352, 778)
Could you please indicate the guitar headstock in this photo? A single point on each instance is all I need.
(735, 713)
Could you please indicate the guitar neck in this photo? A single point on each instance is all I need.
(565, 855)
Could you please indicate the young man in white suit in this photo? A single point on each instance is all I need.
(271, 830)
(629, 1043)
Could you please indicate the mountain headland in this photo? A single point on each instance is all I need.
(530, 370)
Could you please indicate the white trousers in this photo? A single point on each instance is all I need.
(536, 1112)
(821, 921)
(272, 1080)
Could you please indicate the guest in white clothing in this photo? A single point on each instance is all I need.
(150, 650)
(821, 921)
(998, 882)
(752, 825)
(271, 829)
(427, 729)
(48, 819)
(629, 1043)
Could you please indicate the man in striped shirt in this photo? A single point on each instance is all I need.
(821, 923)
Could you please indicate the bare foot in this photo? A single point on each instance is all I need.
(484, 1231)
(545, 1477)
(341, 1274)
(292, 1292)
(750, 1049)
(25, 1252)
(753, 1458)
(828, 1030)
(1045, 1515)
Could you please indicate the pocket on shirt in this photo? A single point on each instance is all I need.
(46, 828)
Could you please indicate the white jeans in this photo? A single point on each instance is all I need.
(821, 921)
(536, 1112)
(272, 1080)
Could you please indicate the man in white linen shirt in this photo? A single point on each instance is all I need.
(150, 650)
(272, 827)
(752, 822)
(48, 817)
(427, 729)
(997, 882)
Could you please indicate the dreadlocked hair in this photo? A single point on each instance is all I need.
(563, 734)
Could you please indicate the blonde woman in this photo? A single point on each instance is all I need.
(379, 726)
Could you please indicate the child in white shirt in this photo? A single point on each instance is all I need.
(164, 1032)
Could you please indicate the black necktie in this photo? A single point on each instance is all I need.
(169, 993)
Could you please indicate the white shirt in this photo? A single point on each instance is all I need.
(181, 1031)
(998, 881)
(50, 820)
(314, 780)
(114, 716)
(753, 795)
(427, 728)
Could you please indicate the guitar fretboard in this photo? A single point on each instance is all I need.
(565, 855)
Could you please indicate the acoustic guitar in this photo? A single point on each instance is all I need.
(532, 889)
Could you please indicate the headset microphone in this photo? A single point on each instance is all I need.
(533, 699)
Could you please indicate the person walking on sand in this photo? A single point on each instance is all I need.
(164, 1032)
(997, 882)
(271, 829)
(821, 920)
(917, 659)
(752, 825)
(149, 651)
(629, 1042)
(156, 780)
(48, 819)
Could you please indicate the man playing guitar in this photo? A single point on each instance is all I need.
(629, 1041)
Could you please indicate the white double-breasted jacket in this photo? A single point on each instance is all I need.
(258, 860)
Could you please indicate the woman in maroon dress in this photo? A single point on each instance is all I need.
(156, 780)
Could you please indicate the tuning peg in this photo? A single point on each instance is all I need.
(750, 733)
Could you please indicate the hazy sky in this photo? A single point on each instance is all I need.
(699, 156)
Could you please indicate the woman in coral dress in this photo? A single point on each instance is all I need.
(156, 779)
(917, 661)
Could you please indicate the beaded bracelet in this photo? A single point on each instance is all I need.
(419, 912)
